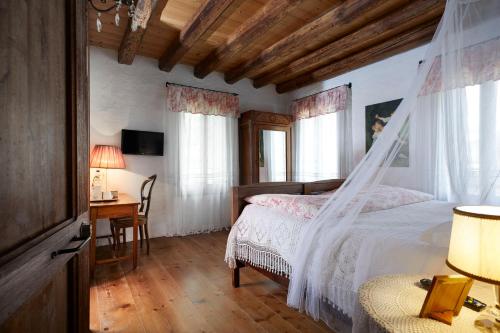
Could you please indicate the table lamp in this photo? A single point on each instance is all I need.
(106, 157)
(475, 244)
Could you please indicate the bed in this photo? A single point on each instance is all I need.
(414, 235)
(238, 204)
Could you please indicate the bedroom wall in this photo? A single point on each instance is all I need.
(382, 81)
(123, 96)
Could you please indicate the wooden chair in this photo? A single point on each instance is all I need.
(119, 226)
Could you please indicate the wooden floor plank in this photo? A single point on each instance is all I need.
(265, 293)
(116, 306)
(184, 285)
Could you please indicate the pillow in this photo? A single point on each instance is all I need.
(302, 206)
(387, 197)
(306, 206)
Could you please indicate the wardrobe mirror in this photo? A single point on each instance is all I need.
(272, 156)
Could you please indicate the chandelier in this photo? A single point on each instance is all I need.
(103, 7)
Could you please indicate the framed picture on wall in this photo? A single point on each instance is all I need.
(377, 116)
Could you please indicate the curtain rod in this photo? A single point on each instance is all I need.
(349, 85)
(217, 91)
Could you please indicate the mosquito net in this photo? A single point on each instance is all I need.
(449, 125)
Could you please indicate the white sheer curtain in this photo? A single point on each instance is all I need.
(462, 156)
(464, 52)
(201, 164)
(274, 145)
(317, 148)
(323, 142)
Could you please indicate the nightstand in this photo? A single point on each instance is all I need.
(392, 303)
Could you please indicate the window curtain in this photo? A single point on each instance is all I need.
(460, 151)
(201, 159)
(461, 161)
(322, 135)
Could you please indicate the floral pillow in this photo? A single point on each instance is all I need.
(303, 206)
(387, 197)
(306, 206)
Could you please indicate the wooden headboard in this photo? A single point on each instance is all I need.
(241, 192)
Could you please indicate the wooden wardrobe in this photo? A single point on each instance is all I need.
(44, 143)
(251, 126)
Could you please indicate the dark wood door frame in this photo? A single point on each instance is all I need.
(29, 266)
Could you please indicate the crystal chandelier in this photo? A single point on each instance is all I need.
(117, 4)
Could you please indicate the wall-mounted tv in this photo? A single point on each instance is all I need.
(142, 143)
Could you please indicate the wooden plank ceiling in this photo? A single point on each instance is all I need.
(289, 43)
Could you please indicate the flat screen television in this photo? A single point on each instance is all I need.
(142, 143)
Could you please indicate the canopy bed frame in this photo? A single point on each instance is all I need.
(238, 204)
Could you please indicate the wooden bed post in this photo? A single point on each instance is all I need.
(236, 277)
(236, 273)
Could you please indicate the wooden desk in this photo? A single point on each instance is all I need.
(125, 206)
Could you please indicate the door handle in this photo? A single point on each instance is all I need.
(84, 240)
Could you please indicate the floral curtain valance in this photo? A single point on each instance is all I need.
(201, 101)
(333, 100)
(477, 64)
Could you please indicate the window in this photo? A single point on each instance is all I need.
(317, 148)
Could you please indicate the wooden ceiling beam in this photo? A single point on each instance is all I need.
(401, 43)
(248, 33)
(131, 41)
(206, 20)
(406, 18)
(349, 16)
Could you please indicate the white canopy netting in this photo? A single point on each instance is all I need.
(448, 123)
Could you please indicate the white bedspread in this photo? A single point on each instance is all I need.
(407, 239)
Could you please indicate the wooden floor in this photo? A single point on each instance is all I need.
(184, 285)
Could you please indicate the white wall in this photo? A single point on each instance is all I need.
(382, 81)
(123, 96)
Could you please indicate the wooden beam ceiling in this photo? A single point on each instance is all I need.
(415, 14)
(290, 43)
(131, 40)
(249, 32)
(338, 22)
(401, 43)
(204, 21)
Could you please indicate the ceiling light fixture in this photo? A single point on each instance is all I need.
(103, 7)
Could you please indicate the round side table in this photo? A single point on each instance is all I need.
(392, 303)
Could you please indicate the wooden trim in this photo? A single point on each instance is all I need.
(203, 23)
(79, 285)
(255, 158)
(248, 33)
(322, 186)
(22, 277)
(338, 22)
(413, 15)
(403, 42)
(250, 124)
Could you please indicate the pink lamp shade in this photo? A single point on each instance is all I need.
(107, 157)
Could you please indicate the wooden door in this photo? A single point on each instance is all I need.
(43, 166)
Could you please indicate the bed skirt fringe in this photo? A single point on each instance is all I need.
(258, 257)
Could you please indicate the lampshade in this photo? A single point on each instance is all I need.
(475, 243)
(107, 157)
